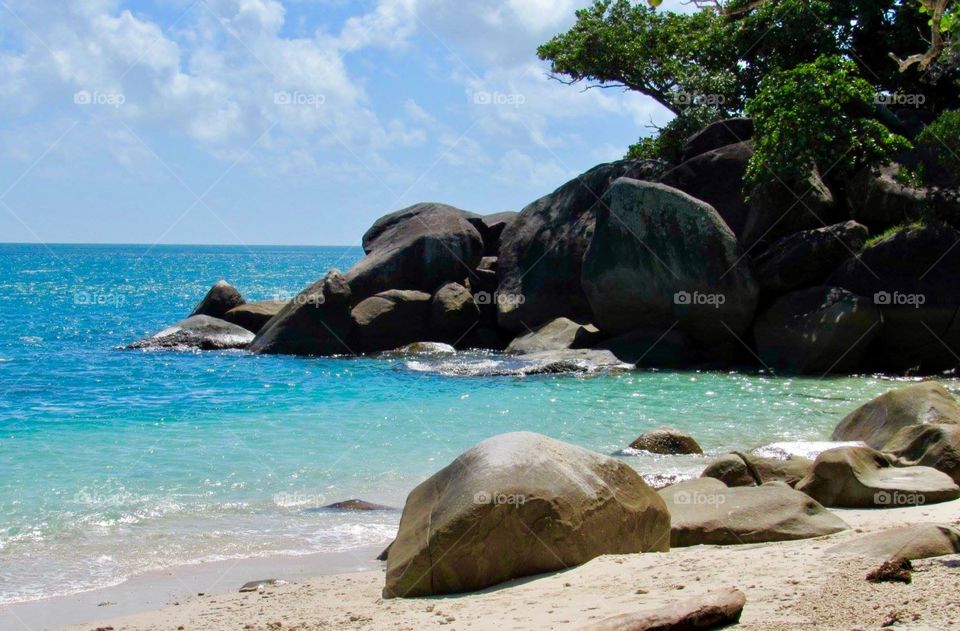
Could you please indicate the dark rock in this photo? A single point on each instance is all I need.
(559, 334)
(732, 469)
(255, 586)
(453, 313)
(221, 298)
(916, 541)
(389, 320)
(878, 420)
(561, 505)
(484, 338)
(491, 228)
(656, 349)
(716, 135)
(541, 251)
(879, 201)
(895, 571)
(666, 440)
(357, 505)
(817, 331)
(197, 332)
(660, 259)
(911, 275)
(316, 322)
(705, 512)
(936, 446)
(253, 316)
(861, 477)
(714, 610)
(807, 258)
(784, 208)
(716, 177)
(420, 247)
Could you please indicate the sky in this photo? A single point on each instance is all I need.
(244, 122)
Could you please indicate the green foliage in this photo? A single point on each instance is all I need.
(818, 115)
(668, 143)
(889, 232)
(942, 139)
(939, 147)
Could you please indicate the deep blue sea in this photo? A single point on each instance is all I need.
(117, 462)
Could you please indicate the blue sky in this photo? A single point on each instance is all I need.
(295, 122)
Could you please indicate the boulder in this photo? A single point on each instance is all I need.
(425, 348)
(491, 228)
(911, 276)
(861, 477)
(904, 543)
(660, 260)
(389, 320)
(878, 420)
(808, 257)
(515, 505)
(936, 446)
(221, 298)
(667, 440)
(541, 250)
(420, 247)
(880, 201)
(357, 505)
(713, 610)
(453, 313)
(716, 177)
(784, 208)
(254, 315)
(316, 322)
(655, 348)
(818, 330)
(732, 469)
(558, 334)
(704, 511)
(716, 135)
(197, 332)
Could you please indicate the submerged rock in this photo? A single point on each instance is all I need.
(515, 505)
(861, 477)
(878, 420)
(667, 440)
(197, 332)
(221, 298)
(559, 334)
(425, 348)
(356, 505)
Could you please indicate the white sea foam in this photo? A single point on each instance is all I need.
(803, 448)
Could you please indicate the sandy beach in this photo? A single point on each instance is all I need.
(791, 585)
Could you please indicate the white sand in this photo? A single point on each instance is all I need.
(792, 585)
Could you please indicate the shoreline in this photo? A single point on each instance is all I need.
(179, 584)
(789, 585)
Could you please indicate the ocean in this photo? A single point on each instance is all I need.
(115, 462)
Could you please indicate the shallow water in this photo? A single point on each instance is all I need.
(115, 462)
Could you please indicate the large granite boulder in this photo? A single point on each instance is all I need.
(389, 320)
(808, 257)
(716, 135)
(911, 275)
(253, 316)
(453, 314)
(541, 250)
(197, 332)
(738, 469)
(936, 446)
(667, 440)
(558, 334)
(420, 247)
(912, 542)
(704, 511)
(816, 331)
(660, 259)
(316, 322)
(861, 477)
(221, 298)
(783, 208)
(878, 420)
(491, 228)
(716, 177)
(880, 201)
(515, 505)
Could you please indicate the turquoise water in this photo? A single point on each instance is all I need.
(116, 462)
